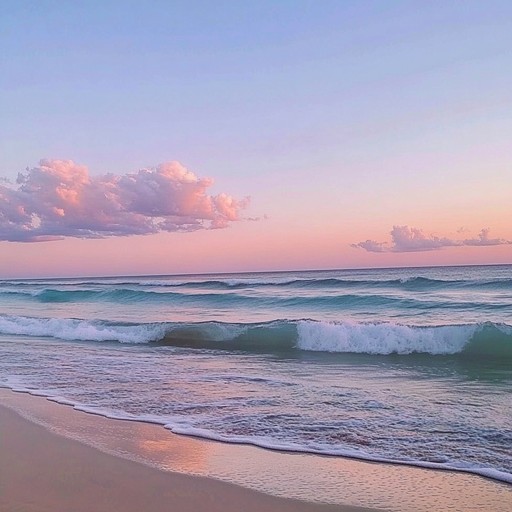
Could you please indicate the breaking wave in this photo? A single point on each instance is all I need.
(472, 340)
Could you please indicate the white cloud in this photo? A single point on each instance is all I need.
(371, 246)
(406, 239)
(484, 239)
(60, 199)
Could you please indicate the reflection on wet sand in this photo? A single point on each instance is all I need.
(315, 478)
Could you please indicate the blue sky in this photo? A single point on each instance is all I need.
(367, 114)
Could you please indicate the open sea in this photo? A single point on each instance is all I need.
(409, 365)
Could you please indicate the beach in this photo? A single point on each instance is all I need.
(56, 458)
(45, 472)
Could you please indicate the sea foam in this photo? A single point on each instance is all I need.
(280, 335)
(80, 330)
(383, 338)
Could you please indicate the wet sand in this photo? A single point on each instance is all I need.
(44, 472)
(45, 468)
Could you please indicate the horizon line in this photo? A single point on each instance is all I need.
(184, 274)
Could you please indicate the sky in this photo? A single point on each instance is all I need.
(168, 137)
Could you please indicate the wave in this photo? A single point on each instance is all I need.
(408, 283)
(121, 295)
(468, 340)
(72, 329)
(185, 428)
(133, 295)
(487, 339)
(330, 301)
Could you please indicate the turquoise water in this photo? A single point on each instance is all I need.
(405, 365)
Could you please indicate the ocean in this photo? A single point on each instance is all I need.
(405, 365)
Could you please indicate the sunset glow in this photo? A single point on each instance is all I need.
(162, 139)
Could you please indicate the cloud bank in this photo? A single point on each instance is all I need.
(406, 239)
(60, 199)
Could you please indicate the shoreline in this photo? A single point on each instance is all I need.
(301, 480)
(46, 472)
(285, 451)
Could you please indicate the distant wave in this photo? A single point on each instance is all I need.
(131, 295)
(122, 295)
(408, 283)
(324, 301)
(471, 340)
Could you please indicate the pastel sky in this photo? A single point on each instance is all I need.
(191, 136)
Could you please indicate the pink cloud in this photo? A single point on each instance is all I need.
(60, 199)
(484, 239)
(372, 246)
(406, 239)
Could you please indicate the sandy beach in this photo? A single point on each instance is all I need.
(44, 472)
(48, 464)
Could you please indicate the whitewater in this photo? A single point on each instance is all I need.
(412, 366)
